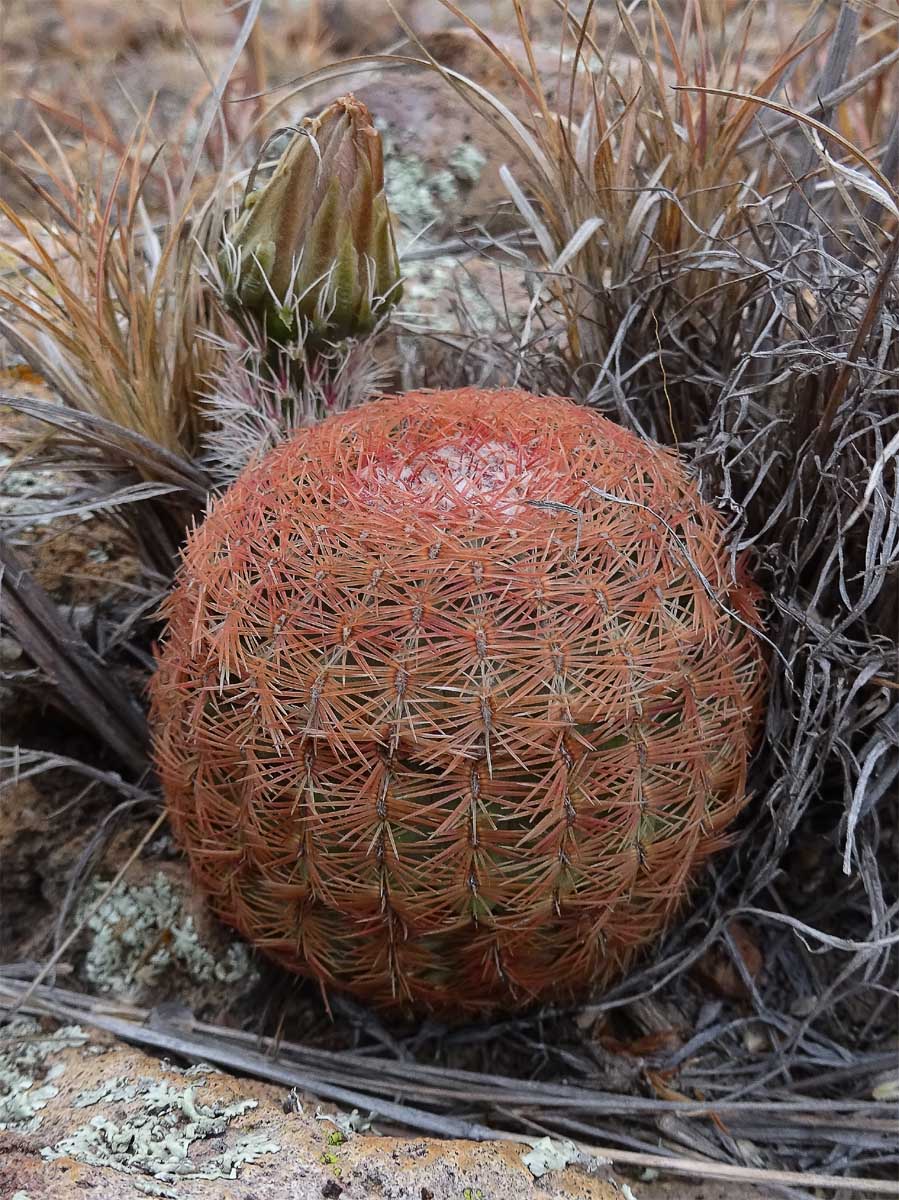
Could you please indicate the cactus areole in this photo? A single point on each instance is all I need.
(457, 694)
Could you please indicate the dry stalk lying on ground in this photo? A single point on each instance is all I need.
(714, 266)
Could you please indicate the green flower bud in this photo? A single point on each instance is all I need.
(312, 253)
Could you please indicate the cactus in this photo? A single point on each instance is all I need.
(457, 695)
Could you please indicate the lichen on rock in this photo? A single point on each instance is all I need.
(140, 932)
(156, 1139)
(419, 195)
(26, 1078)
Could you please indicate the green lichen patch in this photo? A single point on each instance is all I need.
(157, 1138)
(434, 279)
(150, 1187)
(26, 1077)
(140, 934)
(418, 195)
(344, 1124)
(551, 1154)
(109, 1091)
(466, 163)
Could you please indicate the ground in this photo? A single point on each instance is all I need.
(84, 1103)
(106, 1119)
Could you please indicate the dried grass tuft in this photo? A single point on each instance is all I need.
(103, 304)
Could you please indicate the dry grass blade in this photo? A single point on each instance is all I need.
(120, 447)
(90, 693)
(841, 45)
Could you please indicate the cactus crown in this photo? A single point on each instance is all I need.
(457, 694)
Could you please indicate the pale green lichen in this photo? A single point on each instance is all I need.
(157, 1139)
(418, 195)
(150, 1187)
(467, 162)
(436, 278)
(110, 1090)
(140, 934)
(26, 1077)
(200, 1068)
(551, 1154)
(345, 1123)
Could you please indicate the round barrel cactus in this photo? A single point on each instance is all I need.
(456, 696)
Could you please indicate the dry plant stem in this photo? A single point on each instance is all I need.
(101, 454)
(197, 1047)
(215, 106)
(830, 100)
(17, 765)
(819, 127)
(839, 51)
(885, 279)
(127, 448)
(93, 695)
(703, 1169)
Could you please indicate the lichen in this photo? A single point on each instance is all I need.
(551, 1154)
(418, 195)
(157, 1139)
(433, 279)
(26, 1077)
(151, 1188)
(110, 1090)
(140, 933)
(467, 162)
(344, 1124)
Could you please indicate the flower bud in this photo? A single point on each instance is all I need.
(312, 253)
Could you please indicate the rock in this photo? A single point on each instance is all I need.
(106, 1120)
(442, 158)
